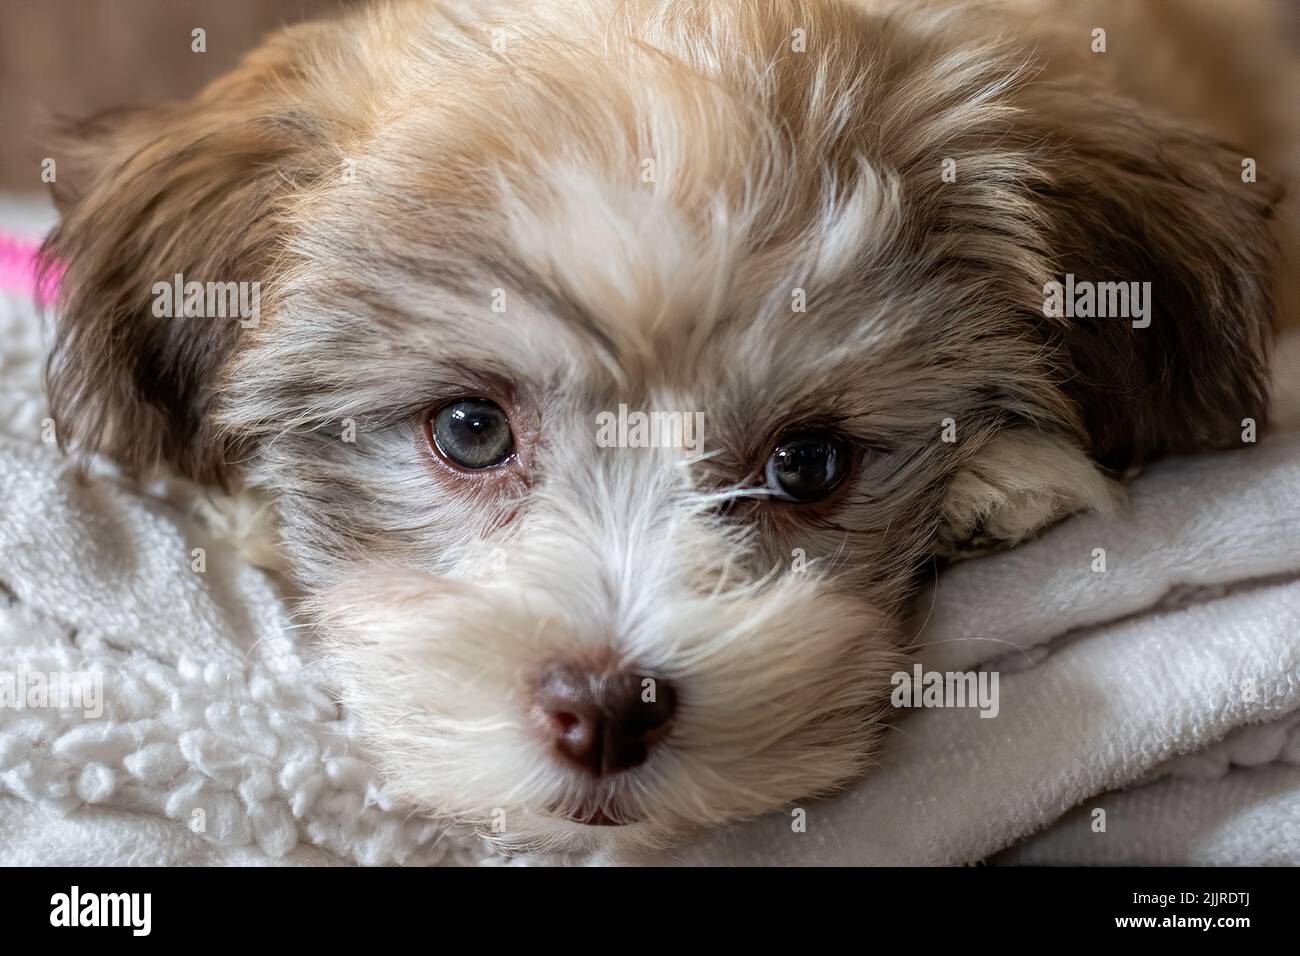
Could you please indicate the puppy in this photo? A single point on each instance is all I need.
(831, 232)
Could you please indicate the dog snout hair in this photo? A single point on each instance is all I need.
(617, 665)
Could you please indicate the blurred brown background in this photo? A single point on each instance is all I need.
(73, 58)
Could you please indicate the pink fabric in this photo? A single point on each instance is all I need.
(18, 255)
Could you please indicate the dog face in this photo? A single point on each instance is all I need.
(471, 258)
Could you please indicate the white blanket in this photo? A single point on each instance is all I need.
(219, 741)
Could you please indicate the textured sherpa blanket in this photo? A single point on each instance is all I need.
(1163, 691)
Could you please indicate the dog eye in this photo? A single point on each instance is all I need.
(807, 466)
(473, 433)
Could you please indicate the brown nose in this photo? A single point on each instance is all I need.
(604, 723)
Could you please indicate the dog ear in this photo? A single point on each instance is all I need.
(1129, 199)
(1134, 198)
(193, 189)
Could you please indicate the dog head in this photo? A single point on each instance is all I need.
(617, 372)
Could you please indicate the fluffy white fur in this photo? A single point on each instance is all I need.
(443, 669)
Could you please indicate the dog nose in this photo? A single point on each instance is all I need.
(604, 723)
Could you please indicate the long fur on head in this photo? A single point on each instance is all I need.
(622, 205)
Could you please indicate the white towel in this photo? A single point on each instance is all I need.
(1235, 804)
